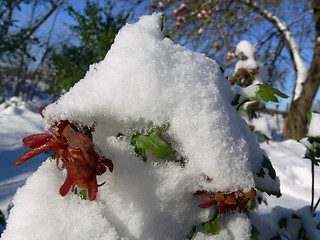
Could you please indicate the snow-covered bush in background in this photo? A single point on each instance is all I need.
(150, 94)
(301, 224)
(250, 71)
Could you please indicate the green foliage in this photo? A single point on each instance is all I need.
(283, 224)
(213, 226)
(95, 33)
(267, 93)
(151, 142)
(251, 204)
(266, 164)
(254, 233)
(83, 193)
(163, 22)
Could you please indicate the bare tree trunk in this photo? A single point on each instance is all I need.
(296, 120)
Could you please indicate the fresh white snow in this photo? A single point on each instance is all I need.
(250, 62)
(146, 80)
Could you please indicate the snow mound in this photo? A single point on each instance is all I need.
(145, 81)
(42, 214)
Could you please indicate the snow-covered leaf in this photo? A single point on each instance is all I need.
(268, 93)
(151, 142)
(267, 164)
(163, 21)
(254, 233)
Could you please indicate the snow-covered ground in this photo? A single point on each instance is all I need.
(17, 120)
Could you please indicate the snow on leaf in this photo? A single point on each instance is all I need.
(163, 20)
(151, 142)
(267, 93)
(267, 164)
(254, 233)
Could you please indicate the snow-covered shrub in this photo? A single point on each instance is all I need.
(248, 72)
(185, 163)
(301, 224)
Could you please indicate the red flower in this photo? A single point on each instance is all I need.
(227, 202)
(77, 153)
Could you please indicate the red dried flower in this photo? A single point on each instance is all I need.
(227, 202)
(77, 153)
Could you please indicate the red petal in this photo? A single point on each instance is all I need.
(109, 164)
(51, 146)
(104, 162)
(64, 189)
(206, 197)
(41, 110)
(93, 190)
(206, 205)
(101, 184)
(36, 139)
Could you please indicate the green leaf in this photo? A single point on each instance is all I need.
(267, 93)
(267, 164)
(84, 194)
(251, 204)
(314, 139)
(212, 227)
(163, 21)
(254, 233)
(151, 142)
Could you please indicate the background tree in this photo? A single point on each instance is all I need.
(282, 30)
(94, 34)
(296, 120)
(22, 51)
(13, 35)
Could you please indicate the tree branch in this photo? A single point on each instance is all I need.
(44, 18)
(300, 67)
